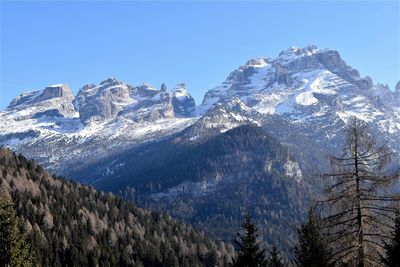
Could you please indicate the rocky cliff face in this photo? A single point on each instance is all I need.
(397, 92)
(60, 130)
(312, 91)
(153, 104)
(113, 98)
(182, 101)
(292, 69)
(55, 100)
(103, 102)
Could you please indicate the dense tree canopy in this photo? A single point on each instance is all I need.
(14, 247)
(69, 224)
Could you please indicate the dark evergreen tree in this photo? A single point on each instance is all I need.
(275, 259)
(14, 249)
(313, 250)
(392, 257)
(248, 250)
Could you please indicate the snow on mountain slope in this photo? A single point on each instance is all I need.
(62, 132)
(55, 100)
(113, 98)
(311, 91)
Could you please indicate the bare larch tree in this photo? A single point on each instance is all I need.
(360, 209)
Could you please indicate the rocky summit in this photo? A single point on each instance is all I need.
(55, 100)
(98, 121)
(312, 91)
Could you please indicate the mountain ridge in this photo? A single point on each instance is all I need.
(148, 144)
(313, 89)
(211, 182)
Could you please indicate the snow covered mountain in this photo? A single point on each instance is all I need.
(53, 101)
(315, 91)
(257, 138)
(311, 91)
(61, 131)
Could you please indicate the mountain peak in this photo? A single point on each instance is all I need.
(180, 87)
(182, 101)
(34, 97)
(102, 102)
(147, 87)
(163, 87)
(55, 97)
(111, 80)
(57, 85)
(53, 91)
(302, 82)
(257, 62)
(299, 51)
(311, 57)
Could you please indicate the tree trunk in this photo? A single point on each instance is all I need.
(359, 213)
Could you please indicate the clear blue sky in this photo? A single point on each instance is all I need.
(200, 43)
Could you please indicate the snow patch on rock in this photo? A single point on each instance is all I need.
(293, 170)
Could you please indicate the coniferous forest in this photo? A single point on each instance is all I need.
(50, 221)
(62, 223)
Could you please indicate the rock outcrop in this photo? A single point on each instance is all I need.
(183, 102)
(55, 100)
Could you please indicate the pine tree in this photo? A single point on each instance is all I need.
(248, 250)
(392, 258)
(14, 249)
(357, 202)
(275, 259)
(312, 250)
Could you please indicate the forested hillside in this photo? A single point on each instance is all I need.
(211, 184)
(75, 225)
